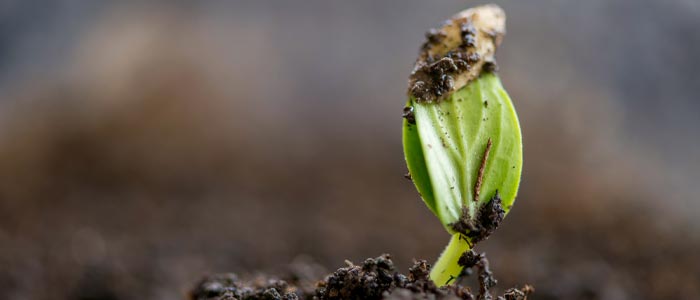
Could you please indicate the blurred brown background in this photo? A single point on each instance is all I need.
(145, 145)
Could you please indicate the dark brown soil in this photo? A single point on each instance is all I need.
(375, 278)
(490, 216)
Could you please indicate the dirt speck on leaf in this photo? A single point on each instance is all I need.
(484, 223)
(408, 115)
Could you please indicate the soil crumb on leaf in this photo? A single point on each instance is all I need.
(375, 278)
(408, 115)
(486, 221)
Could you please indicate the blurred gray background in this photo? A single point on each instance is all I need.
(144, 145)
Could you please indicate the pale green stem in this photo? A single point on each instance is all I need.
(446, 269)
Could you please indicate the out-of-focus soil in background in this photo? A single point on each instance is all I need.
(145, 145)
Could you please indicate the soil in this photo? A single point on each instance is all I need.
(408, 115)
(375, 278)
(489, 218)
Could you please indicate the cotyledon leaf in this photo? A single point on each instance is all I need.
(445, 148)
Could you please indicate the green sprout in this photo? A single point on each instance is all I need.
(461, 134)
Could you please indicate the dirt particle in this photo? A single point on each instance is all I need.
(514, 294)
(487, 219)
(470, 260)
(490, 66)
(468, 28)
(468, 32)
(474, 57)
(408, 115)
(227, 286)
(434, 77)
(435, 36)
(469, 41)
(367, 281)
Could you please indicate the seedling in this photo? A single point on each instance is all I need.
(461, 134)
